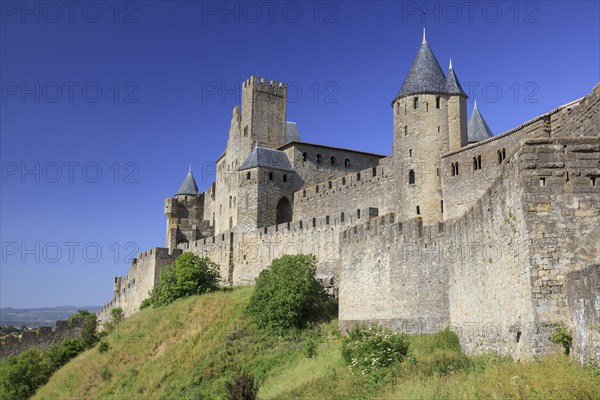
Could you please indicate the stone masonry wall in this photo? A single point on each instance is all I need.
(43, 339)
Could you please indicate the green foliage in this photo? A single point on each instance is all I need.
(243, 387)
(189, 275)
(105, 373)
(310, 347)
(116, 317)
(103, 347)
(21, 375)
(89, 332)
(287, 296)
(562, 336)
(367, 350)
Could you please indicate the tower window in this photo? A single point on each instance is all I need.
(318, 159)
(317, 189)
(438, 129)
(501, 155)
(374, 171)
(330, 185)
(285, 177)
(405, 130)
(358, 176)
(415, 103)
(454, 169)
(342, 217)
(314, 222)
(418, 210)
(411, 177)
(441, 205)
(327, 219)
(358, 213)
(304, 193)
(542, 181)
(593, 180)
(304, 156)
(437, 102)
(248, 176)
(410, 152)
(476, 163)
(230, 201)
(332, 160)
(343, 181)
(427, 106)
(270, 176)
(346, 162)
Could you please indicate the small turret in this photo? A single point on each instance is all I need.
(477, 128)
(457, 111)
(188, 187)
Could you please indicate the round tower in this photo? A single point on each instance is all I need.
(427, 112)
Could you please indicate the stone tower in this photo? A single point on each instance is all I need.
(263, 114)
(185, 214)
(429, 120)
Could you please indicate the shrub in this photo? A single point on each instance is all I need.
(366, 350)
(89, 332)
(20, 376)
(103, 347)
(287, 296)
(243, 387)
(189, 275)
(105, 373)
(563, 337)
(58, 355)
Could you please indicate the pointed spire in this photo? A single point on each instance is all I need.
(477, 128)
(424, 36)
(188, 187)
(452, 83)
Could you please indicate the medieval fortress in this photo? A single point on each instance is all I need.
(497, 236)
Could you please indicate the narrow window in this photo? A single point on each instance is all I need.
(318, 159)
(300, 224)
(478, 162)
(314, 222)
(374, 171)
(438, 129)
(327, 219)
(437, 103)
(415, 103)
(230, 201)
(270, 176)
(411, 177)
(346, 162)
(304, 156)
(358, 176)
(358, 213)
(418, 210)
(452, 170)
(285, 177)
(410, 152)
(343, 181)
(593, 179)
(248, 176)
(426, 106)
(332, 160)
(304, 193)
(441, 205)
(457, 169)
(499, 157)
(405, 130)
(542, 181)
(330, 185)
(342, 217)
(317, 189)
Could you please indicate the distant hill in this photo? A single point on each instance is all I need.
(43, 316)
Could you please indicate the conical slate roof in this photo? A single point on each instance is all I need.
(452, 83)
(291, 132)
(424, 75)
(268, 158)
(188, 187)
(477, 128)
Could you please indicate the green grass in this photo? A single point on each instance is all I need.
(189, 349)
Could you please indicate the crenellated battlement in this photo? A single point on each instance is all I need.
(265, 85)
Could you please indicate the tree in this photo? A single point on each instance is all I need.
(20, 376)
(287, 295)
(89, 332)
(189, 275)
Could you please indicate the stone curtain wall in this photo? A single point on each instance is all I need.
(130, 290)
(583, 299)
(501, 265)
(42, 340)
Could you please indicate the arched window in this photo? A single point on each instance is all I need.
(248, 176)
(304, 156)
(411, 177)
(332, 160)
(318, 159)
(346, 162)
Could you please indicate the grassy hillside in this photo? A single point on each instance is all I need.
(191, 348)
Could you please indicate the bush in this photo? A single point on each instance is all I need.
(103, 347)
(189, 275)
(89, 333)
(243, 387)
(20, 376)
(563, 337)
(367, 350)
(60, 354)
(287, 296)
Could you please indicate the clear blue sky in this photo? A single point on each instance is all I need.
(139, 99)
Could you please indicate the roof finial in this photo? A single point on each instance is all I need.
(450, 63)
(475, 103)
(190, 171)
(424, 37)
